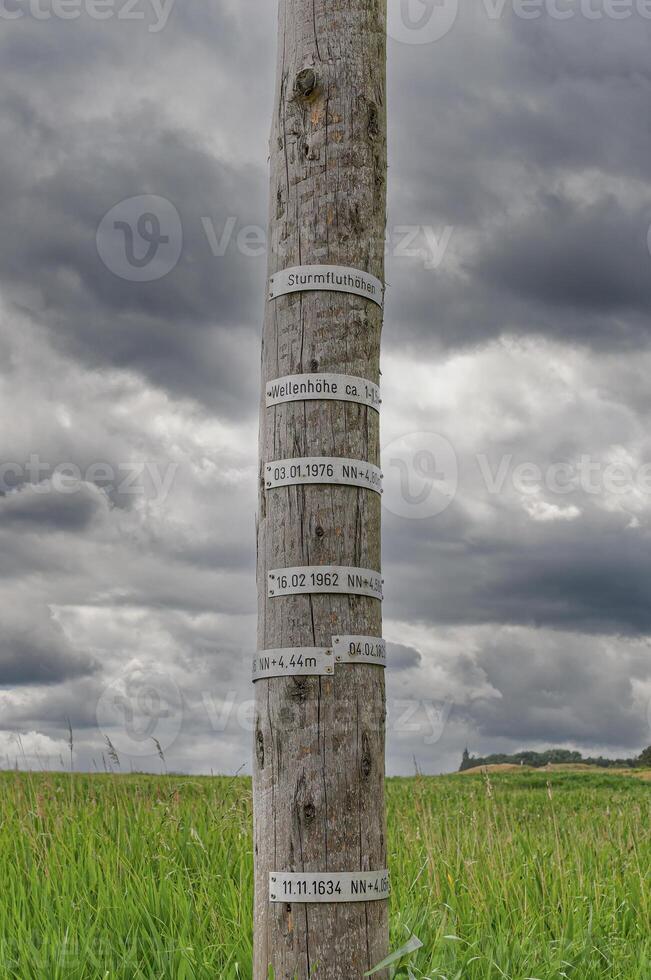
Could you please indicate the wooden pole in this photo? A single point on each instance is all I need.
(320, 740)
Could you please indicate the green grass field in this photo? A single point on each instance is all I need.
(516, 876)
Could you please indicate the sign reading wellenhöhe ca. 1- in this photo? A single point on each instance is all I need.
(332, 278)
(346, 886)
(317, 579)
(323, 469)
(293, 662)
(323, 387)
(360, 650)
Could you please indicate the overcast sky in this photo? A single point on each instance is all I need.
(516, 363)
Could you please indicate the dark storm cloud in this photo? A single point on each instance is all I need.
(589, 573)
(593, 259)
(34, 650)
(74, 701)
(402, 657)
(525, 154)
(192, 331)
(562, 688)
(177, 331)
(33, 510)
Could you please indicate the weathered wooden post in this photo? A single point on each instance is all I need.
(320, 837)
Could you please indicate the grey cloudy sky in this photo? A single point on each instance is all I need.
(516, 360)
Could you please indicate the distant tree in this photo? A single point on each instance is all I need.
(537, 760)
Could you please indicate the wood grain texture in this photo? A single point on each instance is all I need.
(320, 742)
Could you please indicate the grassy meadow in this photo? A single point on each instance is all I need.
(524, 875)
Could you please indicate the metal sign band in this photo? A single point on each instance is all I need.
(331, 579)
(293, 662)
(323, 469)
(332, 278)
(304, 889)
(323, 387)
(360, 650)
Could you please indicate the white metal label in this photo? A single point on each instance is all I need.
(360, 650)
(323, 387)
(332, 278)
(358, 886)
(315, 579)
(293, 662)
(323, 469)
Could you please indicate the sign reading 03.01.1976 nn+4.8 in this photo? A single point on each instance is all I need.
(329, 278)
(323, 469)
(346, 886)
(332, 579)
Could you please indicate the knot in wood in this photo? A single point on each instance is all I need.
(373, 121)
(299, 690)
(367, 758)
(306, 83)
(309, 812)
(259, 748)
